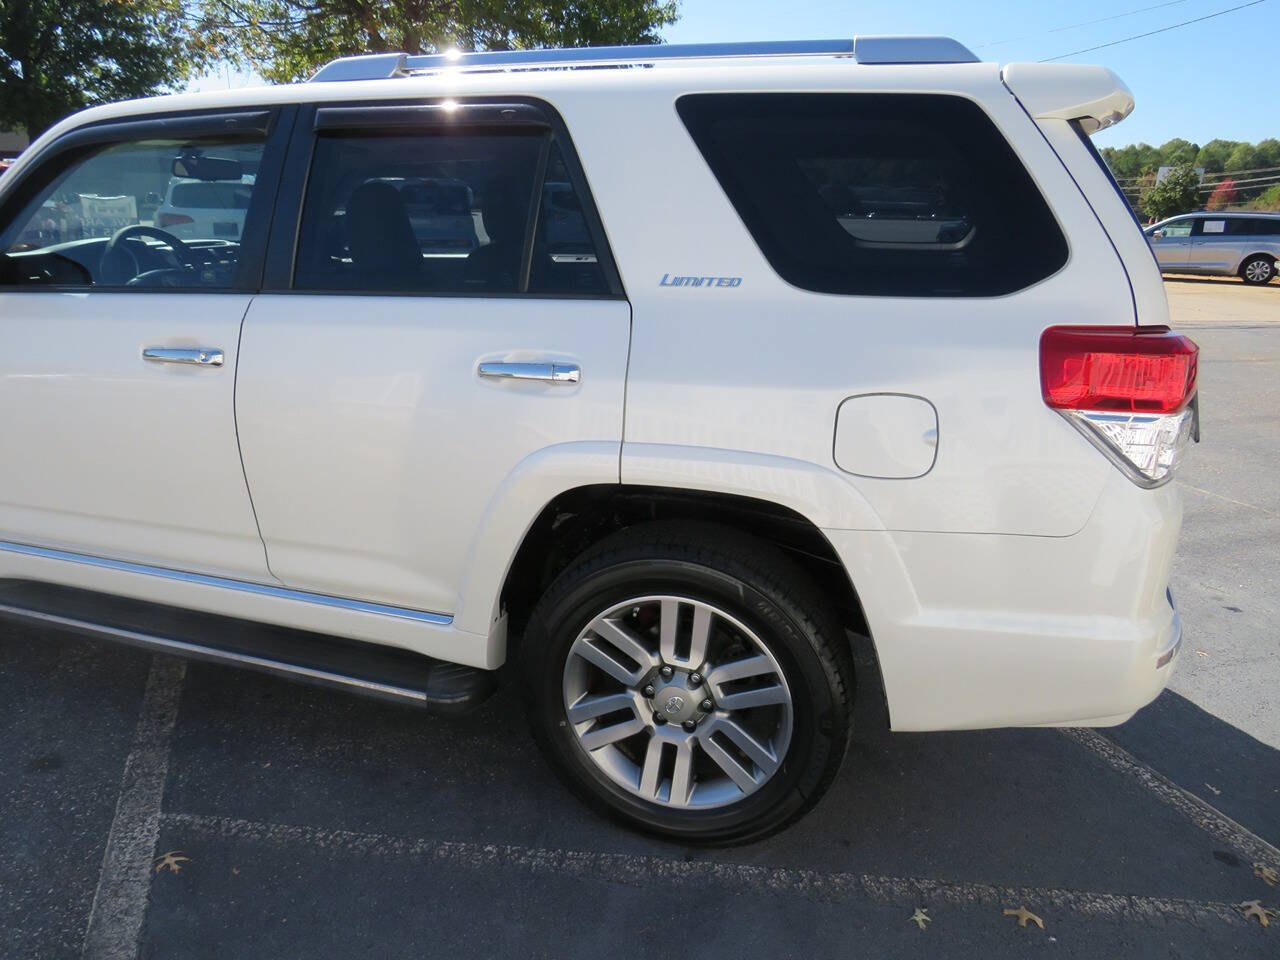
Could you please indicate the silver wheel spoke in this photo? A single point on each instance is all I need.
(757, 666)
(701, 636)
(759, 754)
(603, 736)
(667, 626)
(611, 632)
(649, 782)
(760, 697)
(588, 708)
(729, 764)
(598, 653)
(682, 775)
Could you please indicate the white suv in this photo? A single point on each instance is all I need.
(756, 346)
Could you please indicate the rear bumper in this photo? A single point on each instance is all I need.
(979, 630)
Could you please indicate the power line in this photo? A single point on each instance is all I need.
(1152, 33)
(1085, 23)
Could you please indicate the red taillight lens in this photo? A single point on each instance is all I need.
(1124, 369)
(172, 219)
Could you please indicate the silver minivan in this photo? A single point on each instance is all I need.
(1246, 245)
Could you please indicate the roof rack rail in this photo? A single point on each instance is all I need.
(884, 50)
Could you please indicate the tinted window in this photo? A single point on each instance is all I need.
(564, 256)
(117, 218)
(884, 195)
(1264, 226)
(443, 213)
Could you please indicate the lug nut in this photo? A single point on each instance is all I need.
(706, 706)
(666, 673)
(695, 679)
(690, 725)
(659, 719)
(648, 690)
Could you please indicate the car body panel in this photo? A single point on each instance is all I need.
(1021, 580)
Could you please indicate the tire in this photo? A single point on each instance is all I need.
(778, 677)
(1257, 270)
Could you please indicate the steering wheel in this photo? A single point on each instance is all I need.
(110, 266)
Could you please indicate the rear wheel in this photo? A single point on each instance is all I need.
(691, 681)
(1258, 269)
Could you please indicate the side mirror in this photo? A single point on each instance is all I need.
(196, 167)
(1157, 234)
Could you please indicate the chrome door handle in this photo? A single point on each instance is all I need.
(550, 372)
(201, 356)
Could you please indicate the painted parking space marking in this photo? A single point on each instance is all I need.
(1205, 816)
(120, 900)
(643, 871)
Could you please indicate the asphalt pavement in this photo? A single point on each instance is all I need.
(305, 823)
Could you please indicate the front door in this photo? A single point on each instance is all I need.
(118, 342)
(451, 315)
(1173, 245)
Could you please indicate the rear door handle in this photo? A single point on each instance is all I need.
(549, 372)
(200, 356)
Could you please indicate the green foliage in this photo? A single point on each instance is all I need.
(1176, 193)
(287, 40)
(57, 56)
(1269, 199)
(1216, 156)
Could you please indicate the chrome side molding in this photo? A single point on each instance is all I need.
(224, 583)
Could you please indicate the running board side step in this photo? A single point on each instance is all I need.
(367, 669)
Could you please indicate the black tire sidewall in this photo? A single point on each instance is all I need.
(819, 725)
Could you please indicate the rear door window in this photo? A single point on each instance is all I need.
(445, 212)
(878, 194)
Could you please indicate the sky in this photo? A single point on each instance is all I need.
(1215, 78)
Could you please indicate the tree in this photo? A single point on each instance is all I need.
(57, 56)
(287, 40)
(1213, 155)
(1178, 152)
(1244, 157)
(1223, 195)
(1176, 193)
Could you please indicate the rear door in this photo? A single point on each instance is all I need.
(118, 345)
(431, 329)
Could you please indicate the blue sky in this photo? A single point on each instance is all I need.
(1211, 79)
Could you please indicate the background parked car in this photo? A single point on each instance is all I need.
(1223, 244)
(201, 209)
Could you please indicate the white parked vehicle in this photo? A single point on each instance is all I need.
(195, 209)
(762, 347)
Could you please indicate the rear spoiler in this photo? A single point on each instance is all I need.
(1094, 96)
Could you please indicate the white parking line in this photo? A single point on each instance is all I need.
(120, 901)
(645, 871)
(1208, 818)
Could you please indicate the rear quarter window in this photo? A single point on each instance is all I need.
(878, 194)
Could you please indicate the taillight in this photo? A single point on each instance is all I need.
(172, 219)
(1129, 390)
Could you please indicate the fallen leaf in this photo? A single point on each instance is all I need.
(1025, 916)
(174, 860)
(1216, 791)
(1201, 653)
(1252, 908)
(921, 917)
(1267, 874)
